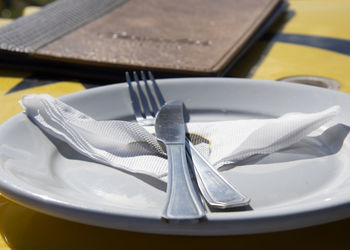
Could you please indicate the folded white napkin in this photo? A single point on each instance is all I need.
(129, 146)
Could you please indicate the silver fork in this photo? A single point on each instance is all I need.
(217, 192)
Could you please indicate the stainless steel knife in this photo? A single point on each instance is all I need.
(183, 202)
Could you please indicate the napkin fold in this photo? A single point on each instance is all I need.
(132, 147)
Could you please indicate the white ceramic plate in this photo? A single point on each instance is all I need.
(304, 185)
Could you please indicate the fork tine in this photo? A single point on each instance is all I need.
(143, 97)
(150, 95)
(134, 99)
(156, 89)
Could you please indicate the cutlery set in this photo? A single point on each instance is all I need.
(184, 192)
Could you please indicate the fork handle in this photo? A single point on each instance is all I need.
(219, 193)
(183, 202)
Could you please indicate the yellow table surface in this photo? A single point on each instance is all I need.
(271, 58)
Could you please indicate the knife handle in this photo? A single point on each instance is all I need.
(182, 202)
(218, 193)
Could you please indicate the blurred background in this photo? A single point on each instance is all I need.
(14, 8)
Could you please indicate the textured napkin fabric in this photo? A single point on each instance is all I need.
(129, 146)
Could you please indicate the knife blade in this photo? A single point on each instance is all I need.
(182, 201)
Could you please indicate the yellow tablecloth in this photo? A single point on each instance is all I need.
(272, 58)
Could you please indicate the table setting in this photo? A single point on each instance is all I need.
(96, 153)
(66, 158)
